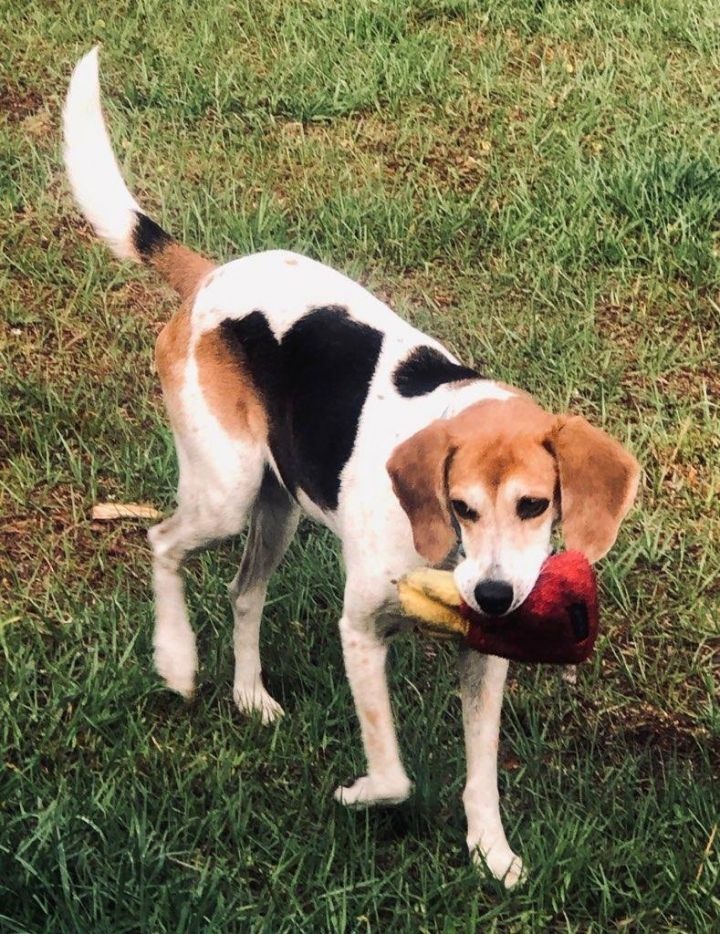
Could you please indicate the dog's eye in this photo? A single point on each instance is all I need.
(529, 507)
(463, 511)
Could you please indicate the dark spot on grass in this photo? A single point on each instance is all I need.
(18, 102)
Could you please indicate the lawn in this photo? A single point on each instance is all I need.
(536, 183)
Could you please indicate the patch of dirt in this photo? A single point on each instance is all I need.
(417, 288)
(151, 302)
(17, 103)
(53, 354)
(456, 156)
(645, 725)
(692, 383)
(634, 320)
(57, 542)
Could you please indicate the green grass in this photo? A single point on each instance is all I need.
(537, 184)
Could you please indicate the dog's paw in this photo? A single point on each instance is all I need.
(177, 666)
(506, 866)
(255, 698)
(369, 790)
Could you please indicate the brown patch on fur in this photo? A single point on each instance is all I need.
(227, 388)
(417, 472)
(598, 477)
(171, 353)
(482, 445)
(496, 439)
(182, 268)
(500, 449)
(373, 717)
(291, 262)
(598, 480)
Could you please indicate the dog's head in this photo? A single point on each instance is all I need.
(502, 472)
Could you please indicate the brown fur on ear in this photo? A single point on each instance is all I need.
(417, 470)
(598, 483)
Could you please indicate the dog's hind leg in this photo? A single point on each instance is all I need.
(212, 505)
(273, 521)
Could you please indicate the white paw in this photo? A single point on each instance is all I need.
(177, 666)
(255, 698)
(369, 790)
(504, 865)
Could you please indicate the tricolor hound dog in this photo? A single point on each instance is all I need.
(290, 388)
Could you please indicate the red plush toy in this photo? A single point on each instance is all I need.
(556, 624)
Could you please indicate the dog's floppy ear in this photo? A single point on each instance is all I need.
(598, 483)
(417, 470)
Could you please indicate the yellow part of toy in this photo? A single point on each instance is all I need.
(430, 597)
(437, 585)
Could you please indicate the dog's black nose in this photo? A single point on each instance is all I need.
(494, 597)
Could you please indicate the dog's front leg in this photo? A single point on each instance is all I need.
(365, 653)
(482, 680)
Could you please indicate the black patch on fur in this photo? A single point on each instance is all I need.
(424, 369)
(270, 529)
(148, 237)
(313, 383)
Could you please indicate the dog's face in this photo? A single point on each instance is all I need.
(502, 472)
(501, 489)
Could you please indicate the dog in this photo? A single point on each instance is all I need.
(291, 389)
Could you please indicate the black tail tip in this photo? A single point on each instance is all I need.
(148, 237)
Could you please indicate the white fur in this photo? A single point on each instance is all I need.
(220, 477)
(92, 169)
(494, 554)
(482, 680)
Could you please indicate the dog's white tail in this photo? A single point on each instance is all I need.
(103, 196)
